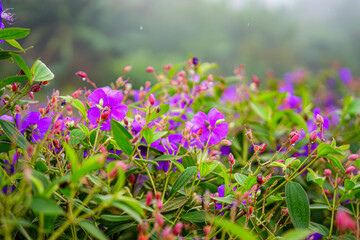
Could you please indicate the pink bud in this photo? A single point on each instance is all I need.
(295, 138)
(199, 132)
(35, 88)
(157, 195)
(349, 169)
(285, 211)
(327, 172)
(255, 80)
(177, 228)
(151, 99)
(207, 230)
(105, 115)
(159, 204)
(149, 198)
(14, 87)
(344, 222)
(319, 119)
(313, 137)
(81, 74)
(353, 157)
(259, 179)
(150, 69)
(127, 68)
(182, 74)
(166, 234)
(158, 219)
(263, 147)
(231, 159)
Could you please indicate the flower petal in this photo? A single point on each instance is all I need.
(93, 115)
(214, 115)
(118, 113)
(96, 95)
(115, 98)
(198, 120)
(33, 117)
(44, 124)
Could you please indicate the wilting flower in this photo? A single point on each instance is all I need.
(111, 105)
(211, 131)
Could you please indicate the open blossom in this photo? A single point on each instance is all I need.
(111, 106)
(8, 17)
(34, 125)
(206, 124)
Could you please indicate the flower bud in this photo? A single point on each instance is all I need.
(158, 195)
(195, 61)
(127, 68)
(105, 115)
(349, 169)
(14, 87)
(319, 119)
(177, 228)
(327, 172)
(353, 157)
(344, 221)
(199, 132)
(81, 74)
(295, 138)
(158, 219)
(207, 230)
(249, 212)
(182, 74)
(149, 69)
(231, 159)
(255, 80)
(36, 88)
(149, 198)
(313, 137)
(284, 211)
(263, 147)
(259, 179)
(151, 99)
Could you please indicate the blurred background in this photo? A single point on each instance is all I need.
(101, 37)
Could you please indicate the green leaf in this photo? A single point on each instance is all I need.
(316, 227)
(178, 165)
(76, 136)
(195, 216)
(15, 44)
(175, 203)
(122, 137)
(296, 234)
(115, 218)
(11, 80)
(240, 178)
(5, 54)
(273, 198)
(183, 179)
(233, 228)
(13, 33)
(45, 206)
(127, 209)
(90, 228)
(260, 111)
(298, 205)
(163, 158)
(148, 135)
(72, 157)
(164, 108)
(250, 182)
(349, 184)
(91, 164)
(22, 64)
(324, 149)
(41, 72)
(40, 166)
(297, 119)
(79, 106)
(14, 135)
(336, 162)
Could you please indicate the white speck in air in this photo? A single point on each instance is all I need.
(141, 28)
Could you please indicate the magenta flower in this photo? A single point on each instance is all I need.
(108, 107)
(33, 125)
(211, 131)
(8, 17)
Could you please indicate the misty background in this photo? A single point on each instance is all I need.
(102, 37)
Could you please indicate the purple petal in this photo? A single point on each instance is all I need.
(93, 115)
(98, 94)
(106, 126)
(221, 130)
(214, 115)
(198, 120)
(221, 190)
(115, 98)
(44, 124)
(118, 113)
(33, 117)
(7, 118)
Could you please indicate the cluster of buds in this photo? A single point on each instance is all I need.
(294, 137)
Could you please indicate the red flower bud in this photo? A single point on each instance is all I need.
(158, 219)
(81, 74)
(295, 138)
(353, 157)
(313, 137)
(105, 115)
(151, 99)
(231, 159)
(327, 172)
(349, 169)
(36, 88)
(177, 228)
(127, 68)
(199, 132)
(319, 119)
(263, 147)
(259, 179)
(150, 69)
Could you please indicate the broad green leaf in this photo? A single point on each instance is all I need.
(175, 203)
(324, 149)
(298, 205)
(14, 135)
(40, 166)
(72, 157)
(183, 179)
(76, 136)
(240, 178)
(13, 33)
(178, 165)
(260, 111)
(233, 228)
(122, 137)
(316, 227)
(90, 228)
(250, 182)
(12, 79)
(349, 184)
(296, 234)
(195, 216)
(273, 198)
(45, 206)
(22, 64)
(127, 209)
(336, 163)
(91, 164)
(148, 135)
(41, 72)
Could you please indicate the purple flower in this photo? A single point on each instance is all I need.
(212, 132)
(345, 75)
(8, 17)
(34, 125)
(314, 236)
(111, 106)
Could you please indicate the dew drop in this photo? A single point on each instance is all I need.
(84, 79)
(141, 28)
